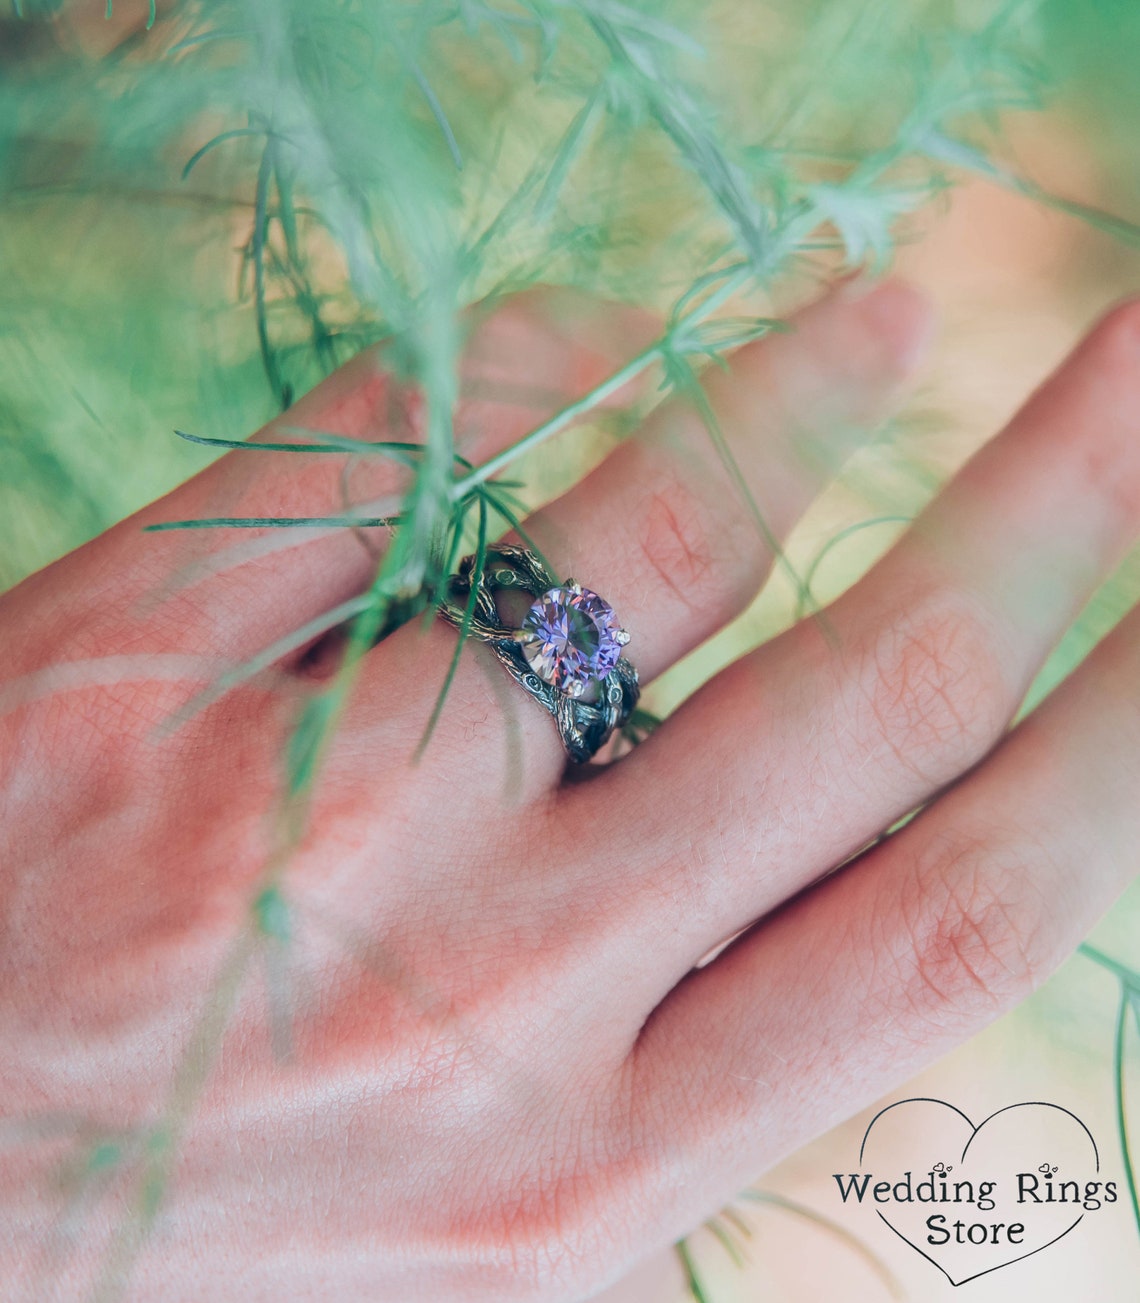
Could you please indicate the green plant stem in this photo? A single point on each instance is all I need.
(276, 651)
(234, 134)
(1129, 981)
(598, 395)
(692, 1279)
(464, 630)
(726, 1241)
(162, 1148)
(559, 421)
(1121, 1113)
(265, 174)
(1127, 976)
(834, 541)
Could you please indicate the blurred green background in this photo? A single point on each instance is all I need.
(128, 305)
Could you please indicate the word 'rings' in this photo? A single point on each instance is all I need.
(566, 652)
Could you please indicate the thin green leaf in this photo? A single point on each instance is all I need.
(1118, 1047)
(464, 629)
(428, 92)
(1128, 977)
(437, 112)
(257, 254)
(730, 1214)
(204, 38)
(571, 145)
(696, 1286)
(219, 139)
(274, 652)
(307, 740)
(320, 713)
(958, 153)
(713, 338)
(834, 541)
(509, 213)
(689, 302)
(271, 913)
(688, 126)
(733, 282)
(161, 1147)
(286, 213)
(408, 454)
(688, 384)
(105, 1154)
(566, 416)
(640, 724)
(512, 519)
(275, 522)
(723, 1236)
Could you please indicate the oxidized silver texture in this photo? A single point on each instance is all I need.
(585, 726)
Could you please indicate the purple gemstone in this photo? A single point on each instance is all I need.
(574, 638)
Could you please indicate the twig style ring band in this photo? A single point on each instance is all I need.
(566, 652)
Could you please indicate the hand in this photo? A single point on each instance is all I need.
(506, 1079)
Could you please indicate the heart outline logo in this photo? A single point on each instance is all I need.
(975, 1130)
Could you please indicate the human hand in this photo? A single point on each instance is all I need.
(506, 1079)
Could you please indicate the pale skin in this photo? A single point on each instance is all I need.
(507, 1078)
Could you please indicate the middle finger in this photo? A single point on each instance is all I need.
(812, 747)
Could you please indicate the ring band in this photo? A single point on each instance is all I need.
(567, 651)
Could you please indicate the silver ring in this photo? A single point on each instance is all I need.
(566, 652)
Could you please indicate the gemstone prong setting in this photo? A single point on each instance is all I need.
(571, 638)
(566, 651)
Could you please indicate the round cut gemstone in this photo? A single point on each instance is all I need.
(571, 638)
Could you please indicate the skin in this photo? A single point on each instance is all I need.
(508, 1078)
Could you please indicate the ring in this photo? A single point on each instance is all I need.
(566, 651)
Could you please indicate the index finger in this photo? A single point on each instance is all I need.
(196, 592)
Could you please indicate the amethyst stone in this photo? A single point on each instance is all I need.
(571, 638)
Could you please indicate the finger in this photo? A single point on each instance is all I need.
(661, 530)
(230, 592)
(816, 746)
(871, 975)
(662, 527)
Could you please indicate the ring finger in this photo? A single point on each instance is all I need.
(662, 530)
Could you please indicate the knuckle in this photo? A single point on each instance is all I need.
(933, 683)
(1102, 448)
(682, 546)
(1115, 342)
(971, 944)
